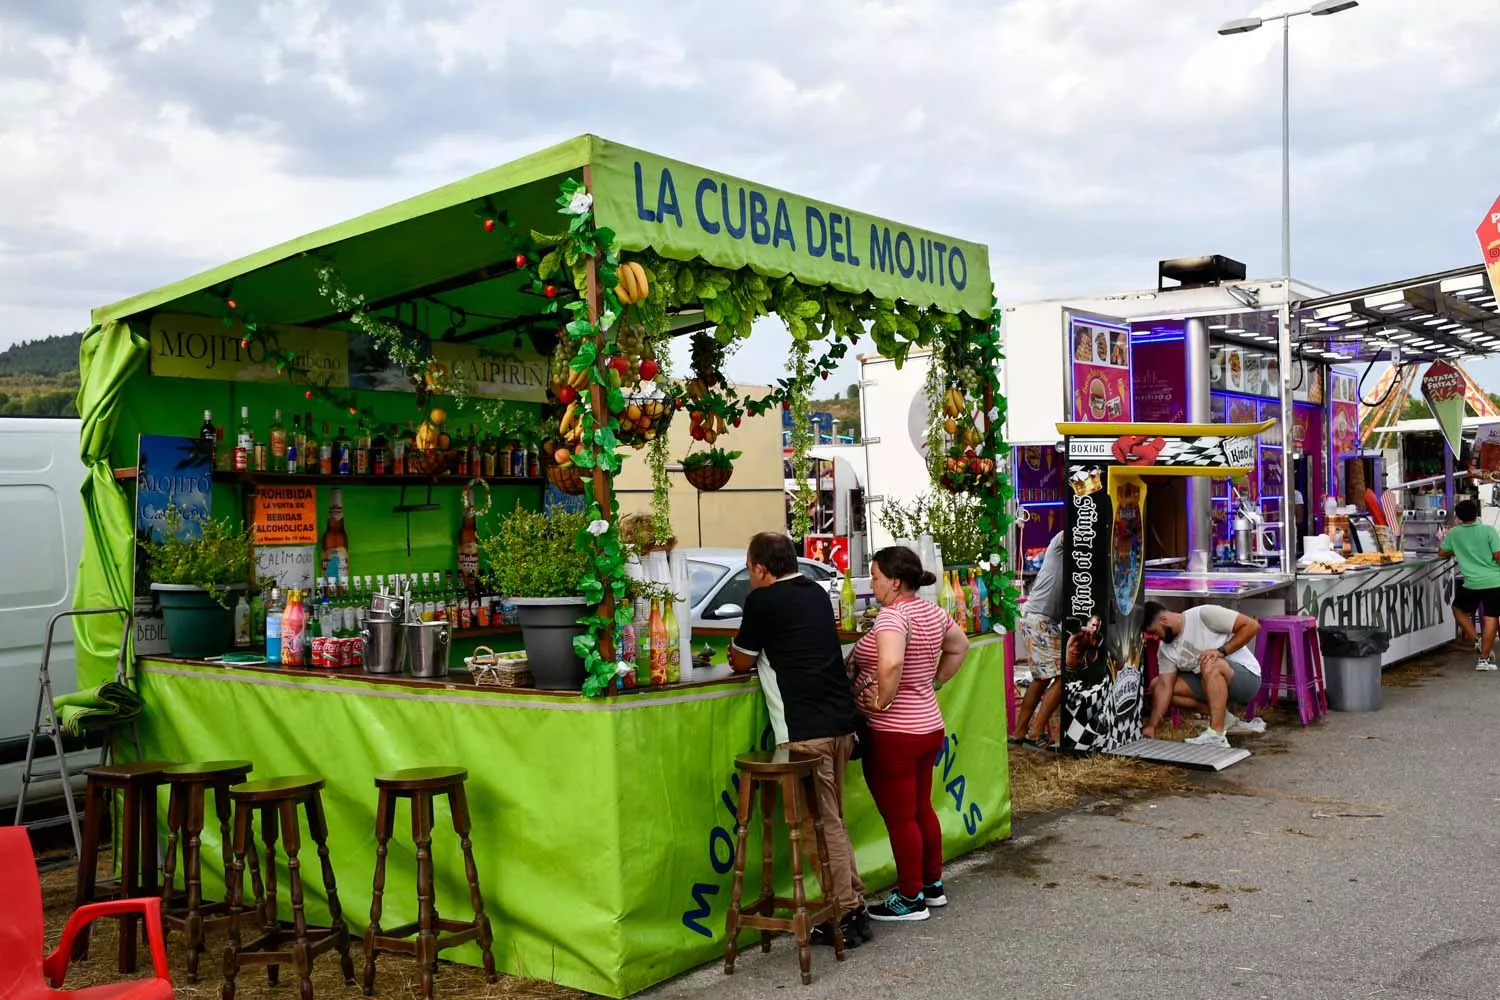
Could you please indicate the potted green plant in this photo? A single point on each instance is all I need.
(709, 470)
(195, 580)
(537, 565)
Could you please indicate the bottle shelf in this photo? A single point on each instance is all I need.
(288, 479)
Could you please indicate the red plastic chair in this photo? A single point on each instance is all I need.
(24, 973)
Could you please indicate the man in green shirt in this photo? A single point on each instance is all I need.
(1477, 548)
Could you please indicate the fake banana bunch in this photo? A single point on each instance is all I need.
(633, 286)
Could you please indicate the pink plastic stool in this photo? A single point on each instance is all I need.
(1292, 638)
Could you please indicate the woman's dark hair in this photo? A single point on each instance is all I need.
(774, 552)
(901, 564)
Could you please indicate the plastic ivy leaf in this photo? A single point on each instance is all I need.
(616, 399)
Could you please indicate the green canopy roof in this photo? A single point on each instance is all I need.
(435, 246)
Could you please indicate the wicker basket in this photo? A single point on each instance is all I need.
(708, 477)
(568, 478)
(492, 670)
(430, 462)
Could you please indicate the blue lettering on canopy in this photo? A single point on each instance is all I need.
(849, 241)
(760, 219)
(706, 186)
(781, 229)
(836, 236)
(940, 251)
(908, 266)
(666, 199)
(923, 272)
(817, 238)
(642, 212)
(737, 231)
(959, 280)
(880, 249)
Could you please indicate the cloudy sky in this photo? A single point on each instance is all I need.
(1082, 140)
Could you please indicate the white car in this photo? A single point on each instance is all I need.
(719, 582)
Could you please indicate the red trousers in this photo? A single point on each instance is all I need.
(898, 770)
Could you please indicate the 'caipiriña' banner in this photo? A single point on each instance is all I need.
(683, 210)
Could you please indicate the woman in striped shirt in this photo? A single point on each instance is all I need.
(913, 647)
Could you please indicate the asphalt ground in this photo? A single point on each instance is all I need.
(1353, 859)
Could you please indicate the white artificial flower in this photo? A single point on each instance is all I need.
(581, 203)
(622, 668)
(994, 559)
(599, 527)
(607, 320)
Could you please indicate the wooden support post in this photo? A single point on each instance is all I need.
(594, 295)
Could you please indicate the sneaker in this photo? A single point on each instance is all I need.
(1243, 726)
(1209, 738)
(932, 894)
(1486, 665)
(899, 907)
(822, 934)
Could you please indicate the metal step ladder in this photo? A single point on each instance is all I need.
(46, 725)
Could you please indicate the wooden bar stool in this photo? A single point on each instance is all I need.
(421, 785)
(136, 782)
(792, 770)
(189, 786)
(277, 799)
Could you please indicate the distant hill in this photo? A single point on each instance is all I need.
(39, 378)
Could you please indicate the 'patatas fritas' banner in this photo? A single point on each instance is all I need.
(1102, 670)
(204, 348)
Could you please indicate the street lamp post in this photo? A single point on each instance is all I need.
(1284, 327)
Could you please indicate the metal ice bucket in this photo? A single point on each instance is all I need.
(383, 644)
(427, 649)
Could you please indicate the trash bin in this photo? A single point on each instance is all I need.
(1351, 666)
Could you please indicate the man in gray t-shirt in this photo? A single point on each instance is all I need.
(1040, 628)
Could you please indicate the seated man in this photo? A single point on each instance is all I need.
(1203, 663)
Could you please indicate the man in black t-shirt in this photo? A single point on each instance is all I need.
(788, 632)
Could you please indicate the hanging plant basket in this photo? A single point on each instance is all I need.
(648, 411)
(568, 478)
(708, 477)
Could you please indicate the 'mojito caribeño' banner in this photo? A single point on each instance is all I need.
(681, 211)
(203, 347)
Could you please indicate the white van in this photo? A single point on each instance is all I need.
(41, 541)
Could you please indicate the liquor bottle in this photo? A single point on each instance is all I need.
(223, 456)
(258, 620)
(517, 461)
(659, 648)
(506, 456)
(974, 609)
(343, 456)
(468, 550)
(242, 623)
(960, 601)
(466, 609)
(424, 598)
(846, 603)
(208, 437)
(984, 606)
(245, 443)
(398, 452)
(461, 455)
(293, 621)
(482, 614)
(643, 643)
(273, 626)
(335, 543)
(674, 643)
(380, 455)
(629, 647)
(325, 452)
(476, 453)
(315, 632)
(362, 448)
(533, 463)
(278, 443)
(294, 443)
(945, 595)
(350, 606)
(491, 458)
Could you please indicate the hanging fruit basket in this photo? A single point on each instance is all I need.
(709, 470)
(708, 478)
(647, 413)
(568, 478)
